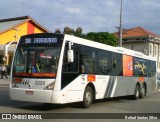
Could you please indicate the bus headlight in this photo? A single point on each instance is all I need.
(50, 86)
(14, 85)
(16, 81)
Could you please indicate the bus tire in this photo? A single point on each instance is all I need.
(143, 91)
(137, 92)
(88, 97)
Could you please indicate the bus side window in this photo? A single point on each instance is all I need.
(87, 66)
(116, 64)
(152, 68)
(88, 60)
(104, 62)
(73, 66)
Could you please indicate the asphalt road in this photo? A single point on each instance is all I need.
(150, 104)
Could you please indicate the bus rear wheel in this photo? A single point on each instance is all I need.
(143, 91)
(88, 97)
(137, 92)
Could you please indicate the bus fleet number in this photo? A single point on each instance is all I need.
(39, 82)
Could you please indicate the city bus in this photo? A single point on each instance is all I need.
(61, 68)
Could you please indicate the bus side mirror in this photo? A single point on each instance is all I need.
(70, 56)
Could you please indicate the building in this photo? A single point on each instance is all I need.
(11, 29)
(142, 40)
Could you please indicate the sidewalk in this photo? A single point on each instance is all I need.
(158, 88)
(5, 81)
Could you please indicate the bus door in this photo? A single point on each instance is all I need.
(70, 69)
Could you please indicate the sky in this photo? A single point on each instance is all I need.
(90, 15)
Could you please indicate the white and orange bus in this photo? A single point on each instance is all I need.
(57, 68)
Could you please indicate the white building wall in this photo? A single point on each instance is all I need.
(140, 46)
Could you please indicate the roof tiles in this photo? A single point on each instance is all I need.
(137, 32)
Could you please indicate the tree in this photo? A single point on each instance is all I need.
(78, 32)
(68, 30)
(57, 31)
(102, 37)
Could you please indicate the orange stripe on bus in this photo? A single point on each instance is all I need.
(35, 74)
(18, 80)
(22, 74)
(43, 74)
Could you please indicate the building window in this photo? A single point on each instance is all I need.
(155, 52)
(150, 48)
(124, 40)
(159, 51)
(144, 39)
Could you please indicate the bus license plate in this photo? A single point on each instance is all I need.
(29, 92)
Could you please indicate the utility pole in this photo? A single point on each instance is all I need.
(22, 8)
(120, 27)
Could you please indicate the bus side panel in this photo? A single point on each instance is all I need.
(74, 91)
(125, 86)
(151, 84)
(105, 87)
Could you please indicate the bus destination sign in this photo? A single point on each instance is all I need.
(52, 40)
(41, 39)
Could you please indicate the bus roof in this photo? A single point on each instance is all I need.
(120, 50)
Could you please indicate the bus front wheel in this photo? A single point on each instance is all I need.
(88, 97)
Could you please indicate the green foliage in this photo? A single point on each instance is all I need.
(101, 37)
(68, 30)
(78, 32)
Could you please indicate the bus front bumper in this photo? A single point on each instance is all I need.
(32, 95)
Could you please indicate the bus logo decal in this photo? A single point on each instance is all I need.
(141, 67)
(127, 65)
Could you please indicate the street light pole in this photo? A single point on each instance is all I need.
(120, 27)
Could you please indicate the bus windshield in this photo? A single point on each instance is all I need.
(38, 59)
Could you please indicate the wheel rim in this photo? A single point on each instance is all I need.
(88, 97)
(143, 90)
(137, 92)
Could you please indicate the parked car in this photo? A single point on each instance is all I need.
(8, 69)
